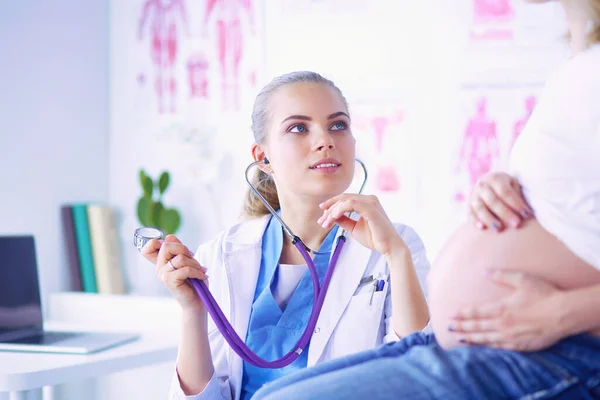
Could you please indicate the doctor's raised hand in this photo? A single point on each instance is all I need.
(175, 263)
(373, 229)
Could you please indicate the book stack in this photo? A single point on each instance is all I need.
(92, 247)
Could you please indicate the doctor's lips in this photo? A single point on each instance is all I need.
(326, 165)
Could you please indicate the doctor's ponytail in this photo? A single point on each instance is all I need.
(260, 121)
(265, 185)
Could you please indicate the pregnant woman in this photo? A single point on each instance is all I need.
(515, 296)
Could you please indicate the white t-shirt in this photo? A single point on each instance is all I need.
(288, 278)
(557, 156)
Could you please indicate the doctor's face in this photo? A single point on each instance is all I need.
(309, 141)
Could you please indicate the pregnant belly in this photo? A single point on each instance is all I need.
(458, 276)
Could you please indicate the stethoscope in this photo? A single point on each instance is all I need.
(142, 235)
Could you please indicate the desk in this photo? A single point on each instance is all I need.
(24, 374)
(156, 319)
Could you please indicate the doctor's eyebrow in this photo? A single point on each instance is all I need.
(305, 118)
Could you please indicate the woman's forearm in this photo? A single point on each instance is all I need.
(194, 365)
(580, 310)
(409, 307)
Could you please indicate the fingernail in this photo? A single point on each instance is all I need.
(450, 329)
(479, 225)
(203, 269)
(322, 205)
(462, 341)
(525, 213)
(495, 227)
(515, 223)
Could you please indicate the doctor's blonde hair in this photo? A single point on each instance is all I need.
(594, 15)
(263, 182)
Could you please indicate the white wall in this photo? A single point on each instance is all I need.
(53, 120)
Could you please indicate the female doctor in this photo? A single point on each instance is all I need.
(301, 125)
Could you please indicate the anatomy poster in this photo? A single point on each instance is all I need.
(316, 7)
(207, 50)
(515, 22)
(184, 75)
(198, 64)
(386, 144)
(492, 20)
(489, 122)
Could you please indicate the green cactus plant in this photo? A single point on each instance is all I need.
(150, 208)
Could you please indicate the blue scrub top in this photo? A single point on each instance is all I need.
(271, 332)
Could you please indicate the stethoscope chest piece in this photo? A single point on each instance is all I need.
(143, 235)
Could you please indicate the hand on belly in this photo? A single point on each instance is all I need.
(458, 277)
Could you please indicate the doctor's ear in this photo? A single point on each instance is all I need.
(258, 153)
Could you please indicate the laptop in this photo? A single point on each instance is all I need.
(21, 318)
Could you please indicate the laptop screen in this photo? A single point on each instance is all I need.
(20, 305)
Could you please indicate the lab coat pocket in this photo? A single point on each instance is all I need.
(361, 323)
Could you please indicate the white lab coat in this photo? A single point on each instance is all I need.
(349, 321)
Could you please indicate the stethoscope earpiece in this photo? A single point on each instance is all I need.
(266, 160)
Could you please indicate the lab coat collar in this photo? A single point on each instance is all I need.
(246, 233)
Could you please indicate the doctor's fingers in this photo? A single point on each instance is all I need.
(175, 278)
(169, 250)
(366, 208)
(179, 262)
(150, 250)
(370, 199)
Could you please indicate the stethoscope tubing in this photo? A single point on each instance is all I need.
(234, 340)
(230, 335)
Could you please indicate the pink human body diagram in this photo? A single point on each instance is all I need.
(492, 10)
(479, 147)
(530, 102)
(489, 12)
(386, 178)
(166, 18)
(230, 44)
(198, 75)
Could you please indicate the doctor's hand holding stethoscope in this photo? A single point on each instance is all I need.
(175, 264)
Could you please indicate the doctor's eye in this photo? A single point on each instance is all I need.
(298, 128)
(339, 126)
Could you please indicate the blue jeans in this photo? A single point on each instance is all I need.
(418, 368)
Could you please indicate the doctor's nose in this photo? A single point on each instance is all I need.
(323, 147)
(325, 142)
